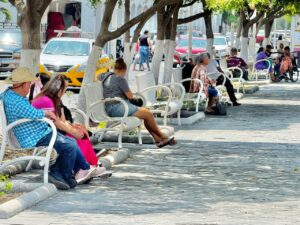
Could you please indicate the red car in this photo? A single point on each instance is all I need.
(181, 50)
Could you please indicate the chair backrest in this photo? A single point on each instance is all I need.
(143, 81)
(11, 138)
(177, 74)
(269, 65)
(94, 93)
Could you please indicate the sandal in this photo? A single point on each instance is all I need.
(165, 142)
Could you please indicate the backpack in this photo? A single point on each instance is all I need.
(219, 109)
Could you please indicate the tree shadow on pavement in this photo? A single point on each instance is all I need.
(189, 179)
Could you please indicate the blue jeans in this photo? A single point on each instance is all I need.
(144, 56)
(70, 157)
(118, 109)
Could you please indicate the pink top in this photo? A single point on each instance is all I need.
(43, 102)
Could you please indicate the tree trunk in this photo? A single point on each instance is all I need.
(31, 40)
(127, 53)
(245, 43)
(209, 32)
(89, 74)
(159, 45)
(268, 29)
(170, 56)
(238, 33)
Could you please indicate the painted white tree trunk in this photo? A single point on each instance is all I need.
(166, 49)
(266, 41)
(169, 62)
(237, 42)
(89, 76)
(244, 49)
(156, 60)
(232, 35)
(31, 58)
(209, 46)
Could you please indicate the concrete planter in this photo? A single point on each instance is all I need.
(36, 194)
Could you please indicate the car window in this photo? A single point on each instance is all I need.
(72, 48)
(219, 41)
(196, 43)
(11, 38)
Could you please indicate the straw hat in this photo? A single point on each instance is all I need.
(20, 75)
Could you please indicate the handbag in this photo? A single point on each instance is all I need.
(137, 102)
(219, 109)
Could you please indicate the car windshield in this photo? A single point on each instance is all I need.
(72, 48)
(219, 41)
(10, 38)
(196, 43)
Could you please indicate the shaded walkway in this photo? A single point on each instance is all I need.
(239, 169)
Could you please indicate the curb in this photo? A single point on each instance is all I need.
(14, 206)
(115, 158)
(21, 187)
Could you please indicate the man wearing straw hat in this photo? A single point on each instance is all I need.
(35, 133)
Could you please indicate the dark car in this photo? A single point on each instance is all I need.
(10, 49)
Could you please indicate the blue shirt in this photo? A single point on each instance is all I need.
(17, 107)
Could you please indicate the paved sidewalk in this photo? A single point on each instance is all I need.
(239, 169)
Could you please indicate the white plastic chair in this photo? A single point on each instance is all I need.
(241, 81)
(262, 73)
(147, 87)
(221, 88)
(9, 138)
(196, 98)
(95, 104)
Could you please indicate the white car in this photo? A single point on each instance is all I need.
(61, 54)
(221, 47)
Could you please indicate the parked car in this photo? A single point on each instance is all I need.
(181, 50)
(221, 46)
(10, 49)
(69, 56)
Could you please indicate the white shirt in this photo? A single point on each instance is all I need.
(212, 71)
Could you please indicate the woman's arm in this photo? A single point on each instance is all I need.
(68, 128)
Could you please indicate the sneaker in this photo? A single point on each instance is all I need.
(83, 175)
(58, 182)
(101, 172)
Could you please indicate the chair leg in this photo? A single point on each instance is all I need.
(179, 117)
(28, 167)
(197, 106)
(140, 135)
(3, 145)
(120, 139)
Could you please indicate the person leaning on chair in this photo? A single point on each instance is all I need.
(214, 70)
(34, 133)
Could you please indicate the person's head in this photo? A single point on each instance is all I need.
(202, 59)
(55, 89)
(146, 32)
(261, 49)
(21, 79)
(233, 52)
(281, 46)
(120, 67)
(268, 48)
(287, 50)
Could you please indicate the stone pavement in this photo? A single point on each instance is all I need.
(239, 169)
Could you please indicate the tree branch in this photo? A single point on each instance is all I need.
(149, 12)
(189, 4)
(192, 18)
